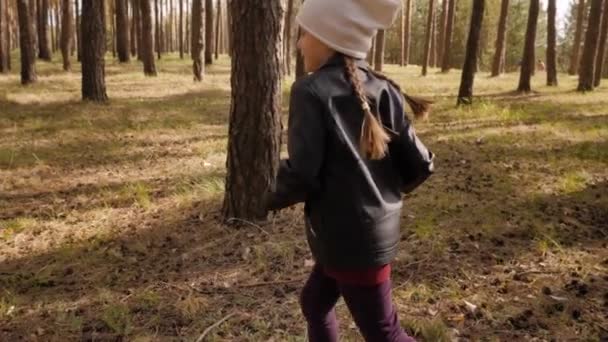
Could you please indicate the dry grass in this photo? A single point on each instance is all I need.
(109, 216)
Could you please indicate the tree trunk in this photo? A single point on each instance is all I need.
(57, 11)
(604, 73)
(299, 58)
(67, 33)
(218, 28)
(300, 72)
(93, 51)
(162, 28)
(157, 26)
(587, 66)
(442, 27)
(34, 23)
(428, 38)
(147, 41)
(578, 35)
(287, 35)
(551, 44)
(407, 34)
(433, 57)
(187, 39)
(379, 58)
(449, 33)
(181, 29)
(44, 51)
(133, 35)
(122, 31)
(601, 52)
(27, 44)
(138, 33)
(528, 63)
(371, 56)
(465, 94)
(78, 31)
(4, 46)
(500, 39)
(402, 38)
(228, 33)
(52, 31)
(170, 31)
(255, 116)
(198, 39)
(111, 14)
(9, 33)
(208, 32)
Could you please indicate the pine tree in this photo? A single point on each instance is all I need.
(528, 63)
(465, 94)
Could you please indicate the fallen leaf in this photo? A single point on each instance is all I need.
(559, 299)
(470, 306)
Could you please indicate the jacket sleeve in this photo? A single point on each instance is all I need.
(410, 156)
(298, 177)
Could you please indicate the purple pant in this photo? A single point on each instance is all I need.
(370, 306)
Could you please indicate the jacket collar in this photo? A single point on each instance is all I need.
(338, 60)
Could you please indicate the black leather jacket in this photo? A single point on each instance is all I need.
(353, 205)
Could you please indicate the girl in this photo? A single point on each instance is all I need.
(352, 153)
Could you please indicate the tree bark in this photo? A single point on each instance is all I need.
(147, 41)
(9, 33)
(299, 58)
(181, 29)
(300, 72)
(551, 44)
(442, 28)
(601, 52)
(287, 35)
(78, 31)
(122, 31)
(218, 28)
(198, 39)
(449, 33)
(407, 34)
(34, 23)
(27, 44)
(500, 39)
(138, 29)
(67, 33)
(44, 50)
(133, 34)
(587, 65)
(157, 27)
(465, 94)
(111, 14)
(93, 51)
(428, 38)
(371, 56)
(578, 35)
(255, 115)
(379, 58)
(208, 32)
(528, 63)
(433, 57)
(4, 46)
(57, 41)
(187, 38)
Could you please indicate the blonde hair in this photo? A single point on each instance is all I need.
(373, 143)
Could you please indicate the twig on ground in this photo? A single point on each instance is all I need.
(279, 282)
(234, 219)
(536, 272)
(215, 325)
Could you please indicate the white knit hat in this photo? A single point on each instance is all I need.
(347, 26)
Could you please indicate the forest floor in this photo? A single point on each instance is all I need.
(109, 216)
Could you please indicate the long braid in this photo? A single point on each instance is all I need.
(420, 106)
(374, 140)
